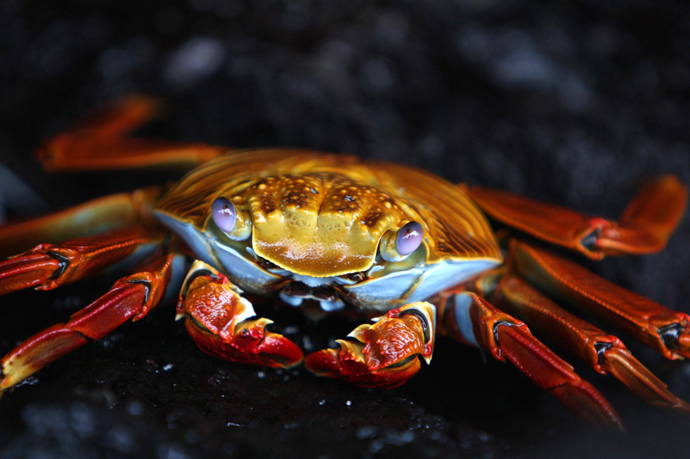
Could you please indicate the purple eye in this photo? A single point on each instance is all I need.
(224, 214)
(409, 238)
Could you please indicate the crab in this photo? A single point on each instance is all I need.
(408, 254)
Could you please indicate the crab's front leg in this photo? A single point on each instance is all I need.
(224, 324)
(383, 354)
(132, 297)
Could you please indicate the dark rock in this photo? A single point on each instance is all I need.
(569, 102)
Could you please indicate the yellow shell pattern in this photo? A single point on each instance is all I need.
(324, 215)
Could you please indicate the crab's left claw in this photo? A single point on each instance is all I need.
(385, 354)
(224, 324)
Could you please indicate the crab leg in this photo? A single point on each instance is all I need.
(665, 330)
(93, 217)
(224, 324)
(48, 266)
(131, 297)
(605, 353)
(644, 227)
(100, 143)
(471, 319)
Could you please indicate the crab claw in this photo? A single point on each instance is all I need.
(385, 354)
(224, 324)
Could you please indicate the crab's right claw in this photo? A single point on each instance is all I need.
(224, 324)
(385, 354)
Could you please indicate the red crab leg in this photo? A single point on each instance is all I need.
(47, 266)
(665, 330)
(93, 217)
(224, 324)
(644, 227)
(471, 319)
(385, 354)
(604, 353)
(100, 143)
(131, 297)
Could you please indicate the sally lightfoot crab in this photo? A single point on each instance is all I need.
(335, 234)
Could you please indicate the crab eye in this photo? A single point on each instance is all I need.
(409, 238)
(396, 246)
(224, 214)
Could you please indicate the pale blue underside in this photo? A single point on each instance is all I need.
(462, 303)
(238, 267)
(416, 284)
(394, 289)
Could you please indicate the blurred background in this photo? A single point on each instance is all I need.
(571, 102)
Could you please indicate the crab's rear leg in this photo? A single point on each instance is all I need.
(224, 324)
(603, 352)
(97, 216)
(471, 319)
(100, 142)
(644, 227)
(384, 354)
(664, 329)
(48, 266)
(79, 241)
(131, 297)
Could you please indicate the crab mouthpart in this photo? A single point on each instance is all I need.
(295, 292)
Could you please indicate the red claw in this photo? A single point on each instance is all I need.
(385, 354)
(224, 324)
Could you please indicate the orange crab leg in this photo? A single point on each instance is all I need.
(48, 266)
(385, 354)
(603, 352)
(131, 297)
(665, 330)
(644, 227)
(100, 143)
(224, 324)
(93, 217)
(472, 319)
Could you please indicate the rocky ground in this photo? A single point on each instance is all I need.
(569, 102)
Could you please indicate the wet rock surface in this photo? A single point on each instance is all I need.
(571, 102)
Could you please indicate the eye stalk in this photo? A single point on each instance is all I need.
(398, 246)
(225, 216)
